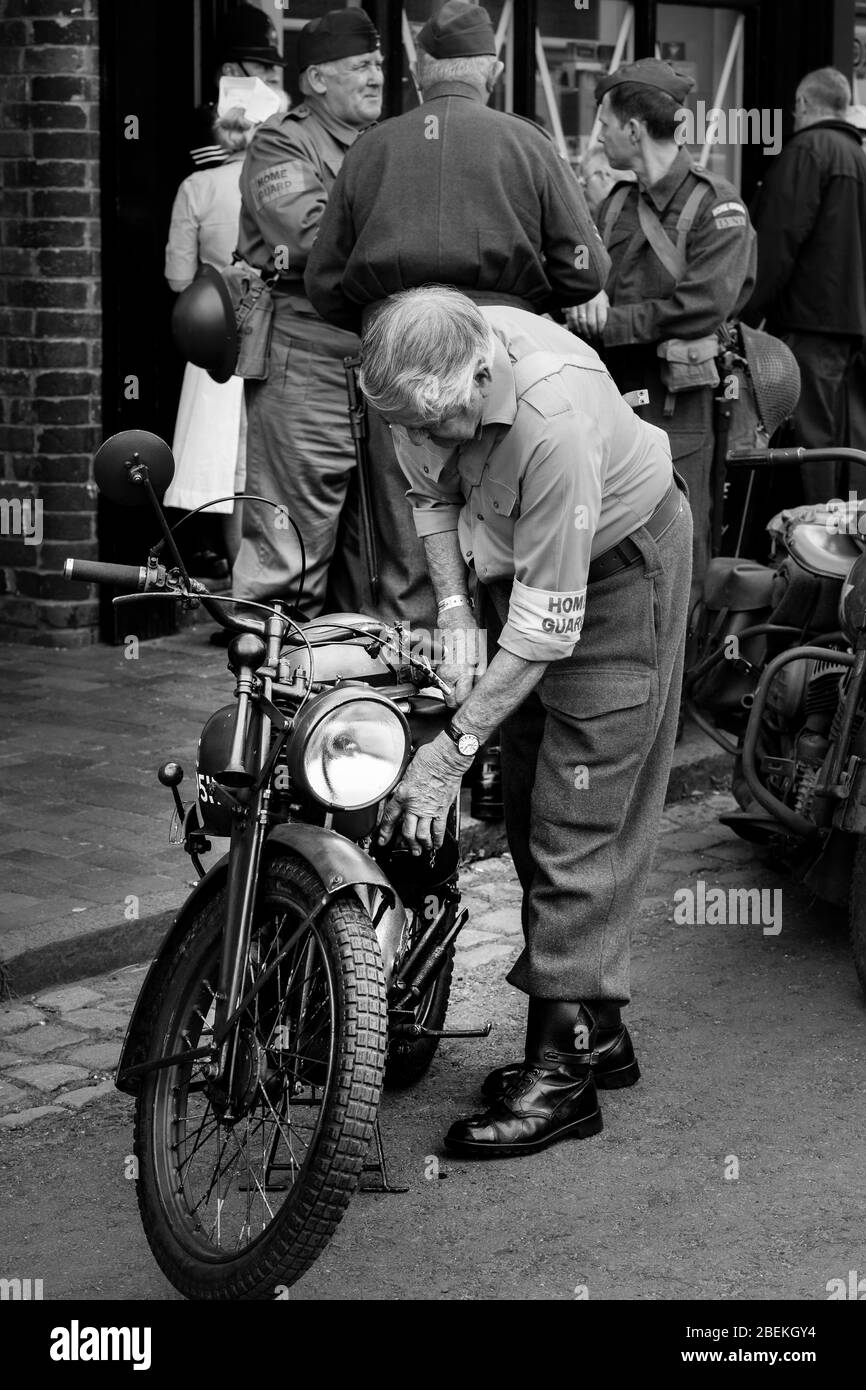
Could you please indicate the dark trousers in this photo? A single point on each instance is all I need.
(299, 454)
(689, 427)
(821, 419)
(585, 766)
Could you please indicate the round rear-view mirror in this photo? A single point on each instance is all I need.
(116, 459)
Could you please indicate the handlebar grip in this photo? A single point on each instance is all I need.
(129, 577)
(767, 457)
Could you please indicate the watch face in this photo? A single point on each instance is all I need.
(468, 745)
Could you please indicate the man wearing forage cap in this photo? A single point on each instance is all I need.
(299, 444)
(683, 253)
(455, 193)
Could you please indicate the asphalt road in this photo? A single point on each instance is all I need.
(733, 1170)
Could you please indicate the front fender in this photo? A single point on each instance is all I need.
(339, 864)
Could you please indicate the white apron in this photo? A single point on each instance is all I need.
(209, 442)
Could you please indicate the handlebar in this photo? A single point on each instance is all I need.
(153, 578)
(771, 458)
(130, 577)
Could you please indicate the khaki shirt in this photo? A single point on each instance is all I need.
(561, 470)
(289, 170)
(647, 304)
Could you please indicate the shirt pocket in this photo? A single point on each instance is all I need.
(499, 499)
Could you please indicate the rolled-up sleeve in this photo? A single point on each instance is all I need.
(560, 506)
(434, 490)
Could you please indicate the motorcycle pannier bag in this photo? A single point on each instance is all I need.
(738, 594)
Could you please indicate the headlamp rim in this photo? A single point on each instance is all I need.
(322, 707)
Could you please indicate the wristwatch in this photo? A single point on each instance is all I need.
(467, 744)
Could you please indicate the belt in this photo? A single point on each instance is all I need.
(626, 553)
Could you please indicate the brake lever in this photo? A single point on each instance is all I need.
(420, 663)
(433, 677)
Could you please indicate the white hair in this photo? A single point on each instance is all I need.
(478, 69)
(421, 352)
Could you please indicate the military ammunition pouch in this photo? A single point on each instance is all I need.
(688, 363)
(254, 311)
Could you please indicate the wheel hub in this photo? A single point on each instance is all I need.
(251, 1066)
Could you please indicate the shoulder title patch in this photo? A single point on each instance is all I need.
(280, 181)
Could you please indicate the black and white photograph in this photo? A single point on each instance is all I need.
(433, 669)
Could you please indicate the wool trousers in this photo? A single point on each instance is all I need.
(585, 766)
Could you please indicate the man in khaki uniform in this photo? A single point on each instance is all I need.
(565, 504)
(299, 445)
(683, 262)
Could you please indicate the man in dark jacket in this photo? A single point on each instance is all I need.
(811, 285)
(458, 194)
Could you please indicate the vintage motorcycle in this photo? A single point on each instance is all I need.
(779, 684)
(308, 965)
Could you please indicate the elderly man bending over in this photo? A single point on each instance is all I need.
(526, 465)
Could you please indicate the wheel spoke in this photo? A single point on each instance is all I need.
(234, 1149)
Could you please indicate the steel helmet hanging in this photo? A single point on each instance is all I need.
(775, 376)
(204, 327)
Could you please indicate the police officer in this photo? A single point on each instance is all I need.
(455, 193)
(542, 478)
(246, 46)
(683, 253)
(299, 446)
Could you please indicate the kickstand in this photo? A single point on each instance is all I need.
(383, 1185)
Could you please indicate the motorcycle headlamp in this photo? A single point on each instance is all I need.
(349, 748)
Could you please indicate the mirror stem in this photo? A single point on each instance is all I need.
(138, 473)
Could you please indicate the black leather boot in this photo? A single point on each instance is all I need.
(551, 1095)
(614, 1064)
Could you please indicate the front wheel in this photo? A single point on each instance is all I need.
(857, 911)
(241, 1187)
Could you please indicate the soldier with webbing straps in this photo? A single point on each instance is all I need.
(683, 262)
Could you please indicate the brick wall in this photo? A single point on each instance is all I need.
(50, 321)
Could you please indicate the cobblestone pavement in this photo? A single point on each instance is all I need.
(58, 1049)
(732, 1171)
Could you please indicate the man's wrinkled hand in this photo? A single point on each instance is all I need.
(589, 320)
(459, 666)
(418, 806)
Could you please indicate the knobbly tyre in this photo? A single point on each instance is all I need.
(308, 966)
(779, 684)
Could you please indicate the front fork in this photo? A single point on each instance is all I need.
(249, 828)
